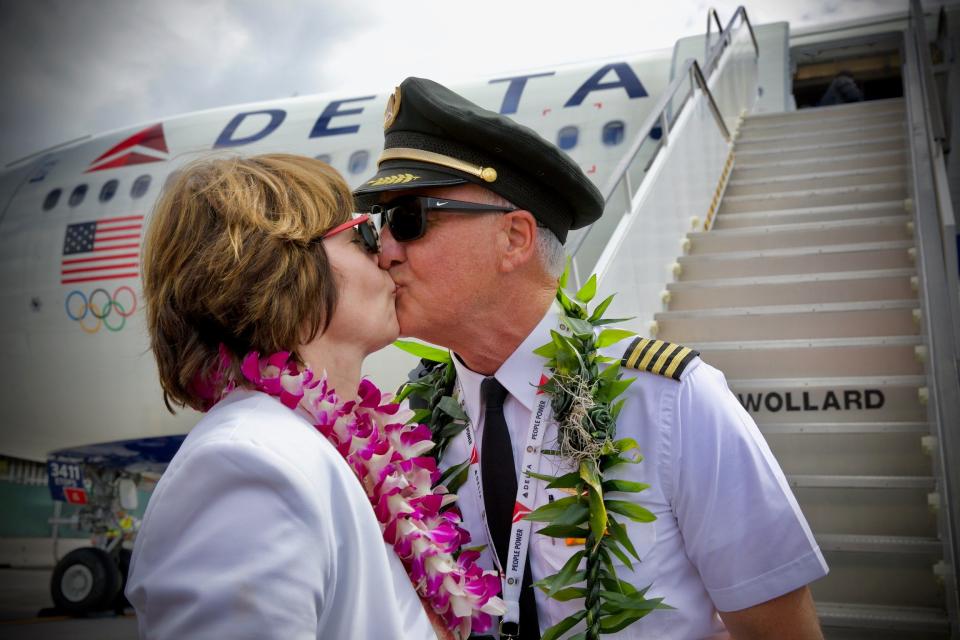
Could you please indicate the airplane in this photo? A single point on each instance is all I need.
(85, 406)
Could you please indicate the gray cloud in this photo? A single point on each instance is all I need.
(75, 67)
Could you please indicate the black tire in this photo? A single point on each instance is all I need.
(85, 580)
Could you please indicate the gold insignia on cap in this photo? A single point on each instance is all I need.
(399, 178)
(487, 174)
(393, 108)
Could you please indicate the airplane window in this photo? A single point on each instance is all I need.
(613, 133)
(656, 132)
(51, 200)
(359, 161)
(140, 186)
(567, 137)
(108, 190)
(323, 157)
(77, 195)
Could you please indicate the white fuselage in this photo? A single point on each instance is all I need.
(75, 348)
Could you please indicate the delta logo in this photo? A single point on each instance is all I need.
(145, 146)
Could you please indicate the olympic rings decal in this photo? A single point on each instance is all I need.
(101, 309)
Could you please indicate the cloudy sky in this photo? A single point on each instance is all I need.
(76, 67)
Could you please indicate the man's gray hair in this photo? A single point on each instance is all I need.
(550, 251)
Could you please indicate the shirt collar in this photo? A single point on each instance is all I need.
(519, 373)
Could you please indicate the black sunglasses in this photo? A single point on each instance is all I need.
(406, 216)
(364, 228)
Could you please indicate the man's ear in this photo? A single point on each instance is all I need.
(520, 233)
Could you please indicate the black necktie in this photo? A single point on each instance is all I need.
(499, 478)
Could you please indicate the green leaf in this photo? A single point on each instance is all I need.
(563, 531)
(608, 337)
(633, 511)
(420, 416)
(619, 533)
(452, 408)
(601, 308)
(619, 621)
(424, 351)
(626, 444)
(574, 515)
(566, 481)
(615, 548)
(619, 386)
(588, 290)
(552, 510)
(624, 485)
(569, 593)
(456, 475)
(565, 275)
(590, 474)
(579, 327)
(564, 625)
(598, 517)
(548, 350)
(599, 323)
(567, 575)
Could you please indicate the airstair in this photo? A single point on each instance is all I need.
(815, 280)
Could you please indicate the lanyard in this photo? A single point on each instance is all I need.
(511, 575)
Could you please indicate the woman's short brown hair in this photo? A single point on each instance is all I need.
(233, 257)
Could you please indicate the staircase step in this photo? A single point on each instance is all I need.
(846, 428)
(853, 257)
(819, 179)
(889, 398)
(868, 510)
(820, 151)
(814, 135)
(742, 170)
(858, 617)
(753, 127)
(821, 114)
(880, 579)
(840, 542)
(814, 452)
(814, 198)
(783, 322)
(801, 234)
(857, 211)
(821, 358)
(845, 286)
(861, 482)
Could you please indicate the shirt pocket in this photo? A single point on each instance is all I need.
(557, 551)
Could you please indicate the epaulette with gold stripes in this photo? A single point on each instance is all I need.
(659, 357)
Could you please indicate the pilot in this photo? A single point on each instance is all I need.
(475, 209)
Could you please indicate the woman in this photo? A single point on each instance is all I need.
(258, 528)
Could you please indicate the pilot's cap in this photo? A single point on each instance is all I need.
(436, 138)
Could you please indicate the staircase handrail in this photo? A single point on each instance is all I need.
(658, 115)
(918, 22)
(711, 13)
(939, 281)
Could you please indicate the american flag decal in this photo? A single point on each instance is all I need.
(107, 249)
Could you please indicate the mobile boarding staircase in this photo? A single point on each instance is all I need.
(820, 276)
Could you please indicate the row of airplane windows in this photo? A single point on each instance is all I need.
(567, 138)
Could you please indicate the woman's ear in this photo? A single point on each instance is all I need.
(520, 229)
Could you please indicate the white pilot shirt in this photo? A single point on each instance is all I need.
(729, 533)
(259, 529)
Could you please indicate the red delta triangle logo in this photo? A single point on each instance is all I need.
(142, 147)
(519, 510)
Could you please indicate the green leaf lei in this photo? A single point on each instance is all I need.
(585, 409)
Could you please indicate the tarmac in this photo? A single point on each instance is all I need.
(25, 592)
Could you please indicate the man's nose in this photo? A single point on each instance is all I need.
(391, 251)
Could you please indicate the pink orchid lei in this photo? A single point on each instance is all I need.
(387, 455)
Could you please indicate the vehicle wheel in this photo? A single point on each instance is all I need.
(120, 602)
(85, 580)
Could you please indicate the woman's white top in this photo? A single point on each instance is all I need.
(259, 529)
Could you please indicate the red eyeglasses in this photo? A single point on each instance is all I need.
(365, 230)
